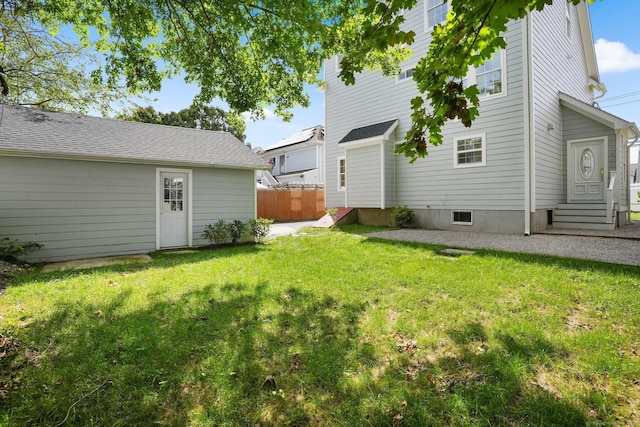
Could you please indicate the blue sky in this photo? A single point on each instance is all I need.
(617, 47)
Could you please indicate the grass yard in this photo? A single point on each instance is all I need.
(329, 328)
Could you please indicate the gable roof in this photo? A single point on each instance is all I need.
(314, 134)
(40, 133)
(596, 114)
(371, 131)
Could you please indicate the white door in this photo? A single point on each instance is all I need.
(587, 171)
(173, 209)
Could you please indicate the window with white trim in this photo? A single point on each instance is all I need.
(488, 76)
(342, 173)
(469, 151)
(406, 74)
(436, 12)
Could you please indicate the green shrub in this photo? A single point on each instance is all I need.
(402, 215)
(10, 249)
(260, 228)
(236, 228)
(216, 233)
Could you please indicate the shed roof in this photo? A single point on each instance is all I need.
(34, 132)
(371, 131)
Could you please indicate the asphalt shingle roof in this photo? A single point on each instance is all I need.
(370, 131)
(37, 132)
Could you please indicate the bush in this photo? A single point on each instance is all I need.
(236, 228)
(10, 249)
(260, 228)
(402, 215)
(216, 233)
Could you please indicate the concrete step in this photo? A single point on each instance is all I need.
(581, 212)
(582, 206)
(583, 226)
(581, 219)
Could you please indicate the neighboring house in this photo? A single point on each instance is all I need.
(91, 187)
(299, 158)
(539, 154)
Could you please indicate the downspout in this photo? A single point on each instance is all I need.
(528, 120)
(382, 176)
(255, 194)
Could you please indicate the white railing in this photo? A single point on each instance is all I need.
(635, 197)
(611, 191)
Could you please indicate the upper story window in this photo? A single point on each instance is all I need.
(469, 151)
(406, 74)
(436, 12)
(489, 76)
(342, 173)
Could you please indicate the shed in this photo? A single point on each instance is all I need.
(92, 187)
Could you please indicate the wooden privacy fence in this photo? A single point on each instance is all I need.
(291, 205)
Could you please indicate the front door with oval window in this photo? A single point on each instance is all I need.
(587, 172)
(173, 209)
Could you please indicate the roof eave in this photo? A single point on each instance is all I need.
(586, 36)
(129, 160)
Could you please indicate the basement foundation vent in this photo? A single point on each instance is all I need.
(462, 217)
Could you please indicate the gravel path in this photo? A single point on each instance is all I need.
(608, 249)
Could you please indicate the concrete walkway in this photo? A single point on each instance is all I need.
(618, 247)
(287, 228)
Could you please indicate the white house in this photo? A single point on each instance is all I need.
(299, 158)
(91, 187)
(539, 154)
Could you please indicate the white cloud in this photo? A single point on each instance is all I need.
(615, 56)
(268, 114)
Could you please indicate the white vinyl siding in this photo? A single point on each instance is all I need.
(221, 194)
(433, 181)
(558, 65)
(78, 209)
(83, 209)
(365, 180)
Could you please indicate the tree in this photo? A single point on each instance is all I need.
(37, 68)
(196, 117)
(258, 53)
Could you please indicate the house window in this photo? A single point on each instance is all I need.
(436, 12)
(281, 161)
(488, 76)
(462, 217)
(469, 151)
(406, 74)
(342, 173)
(173, 195)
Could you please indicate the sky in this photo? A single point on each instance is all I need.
(617, 48)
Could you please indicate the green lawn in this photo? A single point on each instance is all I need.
(329, 328)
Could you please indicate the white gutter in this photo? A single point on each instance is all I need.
(528, 127)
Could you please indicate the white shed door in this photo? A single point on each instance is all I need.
(587, 171)
(173, 209)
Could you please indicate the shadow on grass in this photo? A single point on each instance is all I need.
(246, 355)
(161, 259)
